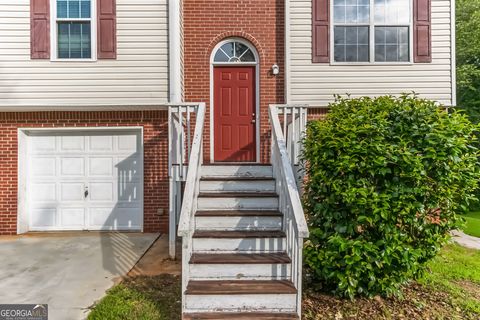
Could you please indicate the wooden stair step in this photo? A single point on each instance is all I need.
(228, 287)
(240, 258)
(238, 234)
(240, 316)
(236, 178)
(246, 164)
(238, 194)
(239, 213)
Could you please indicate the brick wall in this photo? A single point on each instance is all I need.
(317, 113)
(155, 127)
(206, 23)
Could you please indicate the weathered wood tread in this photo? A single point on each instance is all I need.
(240, 316)
(237, 178)
(207, 287)
(246, 164)
(238, 194)
(240, 258)
(238, 234)
(239, 213)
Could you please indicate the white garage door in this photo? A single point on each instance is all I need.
(85, 180)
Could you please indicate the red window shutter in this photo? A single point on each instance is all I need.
(40, 29)
(107, 29)
(422, 31)
(321, 31)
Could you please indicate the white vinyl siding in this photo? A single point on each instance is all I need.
(139, 75)
(316, 83)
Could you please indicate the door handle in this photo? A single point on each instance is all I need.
(86, 192)
(253, 118)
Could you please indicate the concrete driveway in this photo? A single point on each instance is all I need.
(69, 272)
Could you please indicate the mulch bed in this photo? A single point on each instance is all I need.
(418, 302)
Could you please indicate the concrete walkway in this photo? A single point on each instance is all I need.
(67, 271)
(466, 240)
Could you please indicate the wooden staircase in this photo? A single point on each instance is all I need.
(242, 226)
(238, 267)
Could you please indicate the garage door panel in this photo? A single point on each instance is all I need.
(127, 143)
(100, 166)
(71, 191)
(43, 218)
(128, 168)
(42, 144)
(43, 167)
(114, 219)
(102, 191)
(72, 217)
(128, 217)
(64, 165)
(100, 143)
(72, 143)
(70, 166)
(129, 192)
(43, 192)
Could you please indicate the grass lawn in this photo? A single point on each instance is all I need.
(450, 290)
(473, 224)
(143, 298)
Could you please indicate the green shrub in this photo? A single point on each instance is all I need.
(387, 178)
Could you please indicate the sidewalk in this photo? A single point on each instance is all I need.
(466, 240)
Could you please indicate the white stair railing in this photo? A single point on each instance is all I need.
(294, 223)
(293, 121)
(186, 224)
(183, 119)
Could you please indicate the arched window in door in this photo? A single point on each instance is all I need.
(234, 51)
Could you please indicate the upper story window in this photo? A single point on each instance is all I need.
(73, 32)
(371, 30)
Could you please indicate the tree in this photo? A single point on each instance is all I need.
(468, 57)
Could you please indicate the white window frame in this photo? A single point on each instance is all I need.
(54, 32)
(371, 38)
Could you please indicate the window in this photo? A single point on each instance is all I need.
(371, 30)
(234, 52)
(73, 29)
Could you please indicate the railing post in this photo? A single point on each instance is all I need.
(172, 212)
(180, 148)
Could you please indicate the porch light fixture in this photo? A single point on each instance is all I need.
(275, 70)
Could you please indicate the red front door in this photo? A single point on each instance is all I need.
(234, 114)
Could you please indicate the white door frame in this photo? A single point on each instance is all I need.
(22, 172)
(255, 64)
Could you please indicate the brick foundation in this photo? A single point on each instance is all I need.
(155, 126)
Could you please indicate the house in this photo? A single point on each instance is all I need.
(185, 116)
